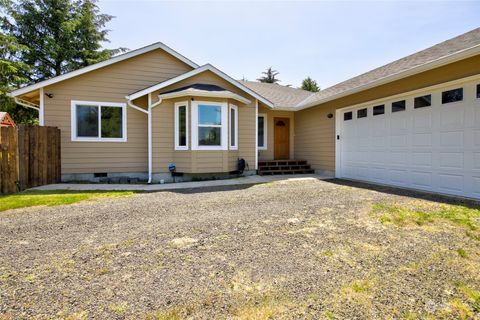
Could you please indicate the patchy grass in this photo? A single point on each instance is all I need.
(421, 213)
(462, 253)
(55, 198)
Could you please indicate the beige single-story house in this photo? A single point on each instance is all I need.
(413, 123)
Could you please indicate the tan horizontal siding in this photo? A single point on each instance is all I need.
(315, 133)
(109, 84)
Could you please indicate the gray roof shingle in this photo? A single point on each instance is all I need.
(438, 51)
(280, 96)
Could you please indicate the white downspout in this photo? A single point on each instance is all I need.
(41, 113)
(149, 138)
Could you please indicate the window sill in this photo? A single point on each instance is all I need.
(181, 148)
(98, 140)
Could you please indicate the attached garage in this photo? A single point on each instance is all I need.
(427, 139)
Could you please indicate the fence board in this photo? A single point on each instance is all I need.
(29, 157)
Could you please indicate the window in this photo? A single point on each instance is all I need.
(362, 113)
(98, 121)
(478, 91)
(209, 125)
(181, 128)
(262, 131)
(347, 116)
(398, 106)
(378, 110)
(423, 101)
(233, 127)
(452, 95)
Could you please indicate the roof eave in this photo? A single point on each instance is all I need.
(102, 64)
(211, 94)
(460, 55)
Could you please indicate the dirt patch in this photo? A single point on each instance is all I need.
(290, 250)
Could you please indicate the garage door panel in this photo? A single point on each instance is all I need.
(434, 148)
(422, 139)
(451, 139)
(450, 182)
(398, 177)
(451, 160)
(422, 159)
(421, 179)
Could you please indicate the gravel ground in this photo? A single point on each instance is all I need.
(282, 250)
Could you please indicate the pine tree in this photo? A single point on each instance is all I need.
(269, 76)
(40, 39)
(310, 85)
(63, 35)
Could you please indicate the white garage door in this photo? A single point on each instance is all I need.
(428, 140)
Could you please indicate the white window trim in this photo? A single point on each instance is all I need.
(177, 128)
(265, 126)
(224, 126)
(73, 112)
(233, 107)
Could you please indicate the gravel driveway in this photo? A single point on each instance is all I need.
(283, 250)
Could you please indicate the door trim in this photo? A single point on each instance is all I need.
(275, 119)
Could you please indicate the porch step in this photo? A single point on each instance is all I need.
(272, 167)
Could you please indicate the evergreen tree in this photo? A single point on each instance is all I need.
(269, 76)
(41, 39)
(63, 35)
(310, 85)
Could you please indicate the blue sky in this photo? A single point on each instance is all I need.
(328, 41)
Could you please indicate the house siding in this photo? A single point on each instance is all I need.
(201, 161)
(315, 132)
(109, 84)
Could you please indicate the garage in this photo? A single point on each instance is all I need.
(428, 139)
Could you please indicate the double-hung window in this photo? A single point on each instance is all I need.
(262, 131)
(233, 127)
(209, 125)
(98, 121)
(181, 127)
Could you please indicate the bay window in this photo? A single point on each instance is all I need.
(98, 121)
(209, 125)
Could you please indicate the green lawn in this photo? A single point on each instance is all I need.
(55, 198)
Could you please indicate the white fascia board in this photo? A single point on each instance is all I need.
(454, 57)
(207, 67)
(102, 64)
(211, 94)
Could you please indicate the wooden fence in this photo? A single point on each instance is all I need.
(29, 157)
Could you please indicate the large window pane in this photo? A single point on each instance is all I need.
(208, 114)
(87, 121)
(261, 133)
(182, 126)
(112, 122)
(209, 136)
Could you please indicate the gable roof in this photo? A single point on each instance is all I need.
(281, 96)
(204, 68)
(457, 48)
(121, 57)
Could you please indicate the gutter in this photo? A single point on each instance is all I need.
(454, 57)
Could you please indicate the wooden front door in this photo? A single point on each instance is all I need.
(281, 138)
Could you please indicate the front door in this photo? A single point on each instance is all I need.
(281, 138)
